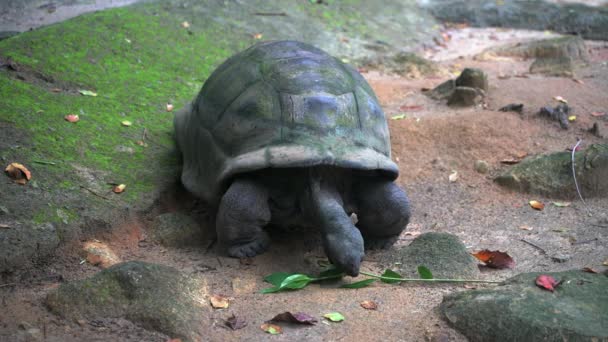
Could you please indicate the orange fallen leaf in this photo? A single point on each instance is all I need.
(495, 259)
(537, 205)
(272, 329)
(18, 172)
(219, 301)
(72, 118)
(369, 305)
(119, 188)
(141, 143)
(546, 282)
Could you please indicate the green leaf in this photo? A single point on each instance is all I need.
(295, 281)
(398, 117)
(271, 290)
(424, 272)
(276, 278)
(87, 92)
(358, 284)
(334, 316)
(333, 272)
(390, 274)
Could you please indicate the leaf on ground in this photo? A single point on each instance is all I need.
(369, 305)
(185, 24)
(72, 118)
(257, 36)
(411, 108)
(560, 99)
(453, 176)
(235, 323)
(18, 172)
(495, 259)
(605, 263)
(272, 329)
(4, 226)
(297, 318)
(358, 284)
(332, 272)
(119, 188)
(398, 117)
(590, 270)
(334, 316)
(390, 274)
(87, 92)
(219, 301)
(524, 227)
(126, 123)
(561, 204)
(510, 161)
(424, 272)
(537, 205)
(276, 278)
(572, 118)
(596, 114)
(546, 282)
(295, 281)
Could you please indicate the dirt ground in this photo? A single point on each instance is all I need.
(431, 142)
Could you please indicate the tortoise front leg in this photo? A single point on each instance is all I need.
(242, 214)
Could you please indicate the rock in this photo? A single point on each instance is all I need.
(482, 166)
(99, 254)
(442, 91)
(442, 253)
(599, 130)
(518, 310)
(466, 96)
(23, 243)
(473, 78)
(153, 296)
(551, 175)
(177, 230)
(554, 56)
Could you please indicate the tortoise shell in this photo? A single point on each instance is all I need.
(280, 104)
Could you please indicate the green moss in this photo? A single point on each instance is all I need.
(137, 60)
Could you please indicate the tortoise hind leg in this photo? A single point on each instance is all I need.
(383, 211)
(242, 213)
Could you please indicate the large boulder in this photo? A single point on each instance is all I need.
(551, 175)
(153, 296)
(518, 310)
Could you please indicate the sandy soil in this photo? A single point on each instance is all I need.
(431, 142)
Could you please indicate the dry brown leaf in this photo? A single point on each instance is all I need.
(524, 227)
(297, 318)
(510, 161)
(453, 176)
(589, 270)
(560, 99)
(72, 118)
(18, 172)
(272, 329)
(495, 259)
(578, 81)
(537, 205)
(369, 305)
(596, 114)
(219, 301)
(119, 188)
(470, 287)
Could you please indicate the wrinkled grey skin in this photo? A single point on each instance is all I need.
(317, 197)
(285, 134)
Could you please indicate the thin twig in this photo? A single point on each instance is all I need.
(43, 162)
(579, 141)
(584, 242)
(271, 14)
(143, 136)
(8, 284)
(94, 193)
(535, 246)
